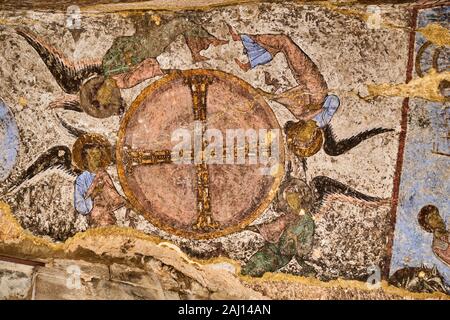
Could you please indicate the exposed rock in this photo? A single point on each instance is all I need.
(146, 270)
(145, 262)
(15, 280)
(93, 265)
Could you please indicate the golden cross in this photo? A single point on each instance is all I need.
(198, 85)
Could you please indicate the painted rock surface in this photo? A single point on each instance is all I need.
(228, 192)
(9, 141)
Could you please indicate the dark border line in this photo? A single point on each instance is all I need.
(401, 148)
(22, 261)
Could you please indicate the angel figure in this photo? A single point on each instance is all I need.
(308, 101)
(93, 86)
(94, 192)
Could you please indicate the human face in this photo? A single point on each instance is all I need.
(293, 199)
(297, 202)
(93, 158)
(435, 221)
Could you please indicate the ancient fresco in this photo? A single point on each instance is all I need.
(420, 235)
(302, 140)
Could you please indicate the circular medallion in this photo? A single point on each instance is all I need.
(200, 154)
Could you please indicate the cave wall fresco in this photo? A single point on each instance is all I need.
(426, 155)
(355, 63)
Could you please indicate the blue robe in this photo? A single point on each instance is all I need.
(9, 141)
(256, 54)
(329, 108)
(82, 184)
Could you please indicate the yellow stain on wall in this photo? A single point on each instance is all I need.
(426, 87)
(161, 5)
(343, 284)
(23, 102)
(436, 34)
(361, 14)
(156, 19)
(12, 233)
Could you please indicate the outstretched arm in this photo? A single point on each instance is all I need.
(271, 231)
(199, 43)
(67, 102)
(304, 70)
(147, 69)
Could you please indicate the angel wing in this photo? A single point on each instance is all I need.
(57, 157)
(67, 102)
(336, 148)
(324, 186)
(69, 75)
(71, 129)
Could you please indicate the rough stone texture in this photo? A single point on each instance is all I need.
(294, 290)
(59, 282)
(359, 48)
(15, 280)
(114, 264)
(148, 263)
(105, 5)
(56, 281)
(118, 263)
(338, 224)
